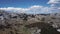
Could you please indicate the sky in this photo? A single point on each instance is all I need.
(22, 3)
(30, 6)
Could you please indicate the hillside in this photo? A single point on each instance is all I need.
(14, 23)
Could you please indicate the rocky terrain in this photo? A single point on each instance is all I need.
(14, 23)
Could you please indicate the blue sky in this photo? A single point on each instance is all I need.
(22, 3)
(30, 6)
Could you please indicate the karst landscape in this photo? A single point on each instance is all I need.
(29, 16)
(14, 23)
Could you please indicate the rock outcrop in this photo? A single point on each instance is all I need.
(14, 23)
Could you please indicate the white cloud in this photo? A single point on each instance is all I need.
(54, 7)
(32, 9)
(37, 9)
(55, 4)
(13, 9)
(53, 1)
(59, 8)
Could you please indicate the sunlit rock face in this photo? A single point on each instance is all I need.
(58, 30)
(35, 30)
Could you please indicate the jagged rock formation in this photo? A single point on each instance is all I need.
(14, 23)
(11, 23)
(45, 28)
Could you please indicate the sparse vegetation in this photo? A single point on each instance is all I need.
(11, 23)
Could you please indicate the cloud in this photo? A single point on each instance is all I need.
(32, 10)
(36, 9)
(53, 1)
(59, 8)
(13, 9)
(54, 7)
